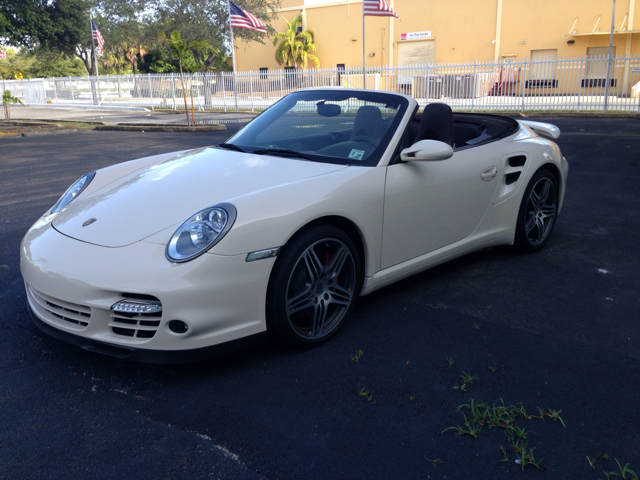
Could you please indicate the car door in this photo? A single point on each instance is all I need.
(432, 204)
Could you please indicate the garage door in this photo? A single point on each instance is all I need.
(544, 64)
(417, 53)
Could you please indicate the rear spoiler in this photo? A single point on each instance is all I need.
(542, 128)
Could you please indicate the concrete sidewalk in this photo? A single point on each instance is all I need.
(114, 117)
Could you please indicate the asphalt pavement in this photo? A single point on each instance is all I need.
(113, 116)
(556, 332)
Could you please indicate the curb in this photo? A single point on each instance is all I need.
(162, 128)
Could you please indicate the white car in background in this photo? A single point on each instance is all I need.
(328, 195)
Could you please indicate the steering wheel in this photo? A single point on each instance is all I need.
(363, 138)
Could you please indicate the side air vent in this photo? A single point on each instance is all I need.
(517, 161)
(510, 178)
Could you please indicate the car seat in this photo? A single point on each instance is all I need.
(436, 124)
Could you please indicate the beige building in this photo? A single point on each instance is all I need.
(448, 31)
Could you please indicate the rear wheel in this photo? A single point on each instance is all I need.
(538, 211)
(313, 287)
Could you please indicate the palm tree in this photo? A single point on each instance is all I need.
(295, 46)
(305, 55)
(115, 58)
(135, 51)
(7, 99)
(179, 47)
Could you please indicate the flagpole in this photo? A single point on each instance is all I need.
(94, 54)
(364, 74)
(233, 56)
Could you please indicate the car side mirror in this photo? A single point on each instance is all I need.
(426, 151)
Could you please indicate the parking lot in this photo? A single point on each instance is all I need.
(557, 331)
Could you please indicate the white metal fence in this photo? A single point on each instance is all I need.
(572, 84)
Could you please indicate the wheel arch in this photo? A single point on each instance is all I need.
(553, 168)
(347, 226)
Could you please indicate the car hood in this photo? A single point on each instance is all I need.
(169, 192)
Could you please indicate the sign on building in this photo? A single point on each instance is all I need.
(415, 35)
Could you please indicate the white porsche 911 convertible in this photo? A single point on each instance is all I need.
(328, 195)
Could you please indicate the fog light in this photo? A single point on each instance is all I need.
(137, 306)
(178, 326)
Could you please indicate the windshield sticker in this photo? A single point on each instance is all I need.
(356, 154)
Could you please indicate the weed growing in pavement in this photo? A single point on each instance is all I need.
(493, 369)
(450, 362)
(605, 456)
(505, 457)
(625, 472)
(503, 416)
(552, 414)
(411, 398)
(525, 456)
(359, 354)
(590, 462)
(466, 379)
(366, 394)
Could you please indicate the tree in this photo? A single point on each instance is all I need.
(305, 56)
(114, 59)
(7, 99)
(180, 48)
(295, 46)
(58, 25)
(207, 19)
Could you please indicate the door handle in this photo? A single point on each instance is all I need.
(489, 174)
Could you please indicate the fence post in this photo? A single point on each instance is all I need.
(473, 92)
(55, 89)
(130, 94)
(200, 107)
(173, 90)
(150, 91)
(281, 91)
(524, 83)
(224, 92)
(108, 91)
(606, 85)
(251, 89)
(581, 80)
(73, 100)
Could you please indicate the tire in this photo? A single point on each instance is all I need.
(313, 287)
(538, 212)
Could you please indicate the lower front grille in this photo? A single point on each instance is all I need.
(141, 325)
(56, 310)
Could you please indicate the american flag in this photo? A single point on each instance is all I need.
(97, 36)
(242, 19)
(379, 8)
(3, 54)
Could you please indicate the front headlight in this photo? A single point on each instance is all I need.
(73, 191)
(201, 232)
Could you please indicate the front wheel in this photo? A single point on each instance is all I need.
(538, 211)
(313, 287)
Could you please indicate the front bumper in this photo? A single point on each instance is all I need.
(71, 286)
(162, 357)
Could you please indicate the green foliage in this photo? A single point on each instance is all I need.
(8, 98)
(58, 25)
(504, 417)
(294, 47)
(40, 62)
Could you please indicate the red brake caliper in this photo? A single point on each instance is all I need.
(327, 257)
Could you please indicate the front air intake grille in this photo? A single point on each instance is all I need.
(61, 312)
(141, 325)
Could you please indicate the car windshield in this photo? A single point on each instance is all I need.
(332, 126)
